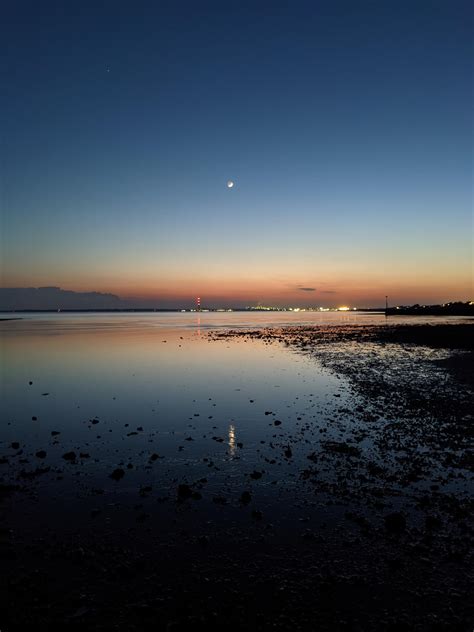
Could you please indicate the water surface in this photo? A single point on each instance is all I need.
(152, 394)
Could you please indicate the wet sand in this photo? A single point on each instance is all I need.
(356, 516)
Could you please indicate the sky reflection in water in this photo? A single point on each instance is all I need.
(173, 383)
(156, 384)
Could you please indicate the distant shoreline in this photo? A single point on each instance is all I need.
(457, 309)
(450, 309)
(182, 310)
(389, 312)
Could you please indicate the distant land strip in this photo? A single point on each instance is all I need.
(448, 309)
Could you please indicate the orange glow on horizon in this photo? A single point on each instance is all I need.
(330, 287)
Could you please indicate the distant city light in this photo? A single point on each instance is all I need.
(343, 309)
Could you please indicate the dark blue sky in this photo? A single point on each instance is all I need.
(347, 127)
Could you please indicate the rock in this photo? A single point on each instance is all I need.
(395, 522)
(69, 456)
(54, 433)
(341, 448)
(432, 522)
(41, 454)
(245, 498)
(395, 564)
(7, 490)
(256, 475)
(15, 445)
(117, 474)
(184, 491)
(34, 418)
(277, 422)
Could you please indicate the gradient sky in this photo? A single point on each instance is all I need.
(346, 126)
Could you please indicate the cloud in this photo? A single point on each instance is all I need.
(307, 289)
(328, 292)
(53, 298)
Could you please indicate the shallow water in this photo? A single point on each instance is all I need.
(122, 387)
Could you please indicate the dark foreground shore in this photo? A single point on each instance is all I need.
(371, 529)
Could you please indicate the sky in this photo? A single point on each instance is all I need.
(345, 125)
